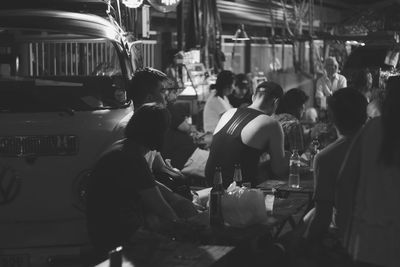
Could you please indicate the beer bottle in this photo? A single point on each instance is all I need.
(237, 175)
(313, 152)
(216, 218)
(294, 172)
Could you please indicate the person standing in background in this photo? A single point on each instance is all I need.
(218, 103)
(329, 82)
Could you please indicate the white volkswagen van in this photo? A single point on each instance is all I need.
(63, 81)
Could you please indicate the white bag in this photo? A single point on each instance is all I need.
(196, 164)
(242, 206)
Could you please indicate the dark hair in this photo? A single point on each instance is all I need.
(390, 149)
(271, 89)
(145, 83)
(224, 80)
(348, 110)
(178, 111)
(292, 102)
(241, 80)
(148, 126)
(360, 80)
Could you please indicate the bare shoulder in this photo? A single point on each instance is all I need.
(258, 132)
(225, 118)
(263, 125)
(229, 113)
(265, 121)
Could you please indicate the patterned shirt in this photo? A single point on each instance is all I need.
(293, 131)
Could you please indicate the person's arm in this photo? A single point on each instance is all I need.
(320, 222)
(221, 106)
(342, 82)
(347, 181)
(319, 89)
(324, 199)
(183, 207)
(279, 163)
(159, 165)
(153, 201)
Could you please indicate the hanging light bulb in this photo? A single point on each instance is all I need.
(132, 3)
(164, 6)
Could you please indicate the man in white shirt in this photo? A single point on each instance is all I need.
(329, 82)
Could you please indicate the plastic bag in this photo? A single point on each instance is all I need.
(242, 206)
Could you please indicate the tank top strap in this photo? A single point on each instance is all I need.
(239, 120)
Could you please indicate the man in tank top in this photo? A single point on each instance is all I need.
(243, 134)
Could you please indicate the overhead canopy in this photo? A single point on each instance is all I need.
(257, 14)
(69, 22)
(382, 16)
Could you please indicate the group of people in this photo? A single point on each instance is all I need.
(229, 91)
(356, 176)
(124, 192)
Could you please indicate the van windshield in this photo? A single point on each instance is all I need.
(43, 71)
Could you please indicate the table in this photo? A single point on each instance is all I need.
(149, 249)
(226, 246)
(283, 190)
(283, 211)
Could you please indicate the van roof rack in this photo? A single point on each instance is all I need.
(98, 7)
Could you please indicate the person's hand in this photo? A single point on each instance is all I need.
(318, 129)
(170, 170)
(205, 140)
(164, 166)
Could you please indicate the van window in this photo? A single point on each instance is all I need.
(42, 71)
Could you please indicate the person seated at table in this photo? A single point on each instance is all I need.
(122, 192)
(243, 134)
(290, 109)
(347, 109)
(217, 103)
(241, 95)
(149, 85)
(368, 186)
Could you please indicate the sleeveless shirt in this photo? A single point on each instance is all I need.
(228, 149)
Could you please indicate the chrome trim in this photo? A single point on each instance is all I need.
(39, 145)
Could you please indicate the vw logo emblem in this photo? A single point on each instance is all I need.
(9, 184)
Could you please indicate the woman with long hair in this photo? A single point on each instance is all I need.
(217, 103)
